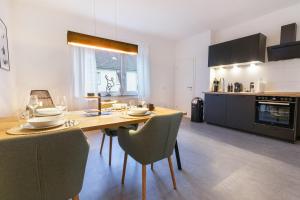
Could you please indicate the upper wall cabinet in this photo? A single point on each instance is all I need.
(247, 49)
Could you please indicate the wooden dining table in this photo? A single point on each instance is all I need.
(91, 123)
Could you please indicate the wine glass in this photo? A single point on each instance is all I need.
(61, 103)
(23, 115)
(131, 104)
(142, 103)
(33, 104)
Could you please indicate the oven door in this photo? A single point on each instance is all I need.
(275, 113)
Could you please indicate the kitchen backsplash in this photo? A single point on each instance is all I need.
(278, 76)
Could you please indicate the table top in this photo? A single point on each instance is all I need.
(86, 123)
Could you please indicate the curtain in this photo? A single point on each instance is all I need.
(84, 71)
(143, 70)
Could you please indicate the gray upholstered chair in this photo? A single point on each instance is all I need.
(45, 97)
(44, 166)
(113, 132)
(153, 142)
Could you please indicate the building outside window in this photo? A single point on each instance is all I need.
(120, 70)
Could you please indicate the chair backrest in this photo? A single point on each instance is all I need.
(43, 167)
(45, 97)
(158, 137)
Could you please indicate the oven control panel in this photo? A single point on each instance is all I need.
(276, 98)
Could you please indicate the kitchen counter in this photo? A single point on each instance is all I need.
(287, 94)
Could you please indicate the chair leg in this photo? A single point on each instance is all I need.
(144, 175)
(152, 166)
(172, 172)
(103, 138)
(76, 197)
(110, 149)
(177, 156)
(124, 168)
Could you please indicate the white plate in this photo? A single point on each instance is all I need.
(139, 111)
(91, 111)
(139, 114)
(45, 121)
(48, 112)
(30, 127)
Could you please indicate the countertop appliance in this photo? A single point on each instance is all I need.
(216, 84)
(275, 111)
(197, 110)
(238, 87)
(251, 87)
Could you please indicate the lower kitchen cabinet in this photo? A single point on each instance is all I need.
(215, 109)
(240, 112)
(234, 111)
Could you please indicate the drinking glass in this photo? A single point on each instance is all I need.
(142, 103)
(23, 115)
(131, 104)
(61, 103)
(33, 104)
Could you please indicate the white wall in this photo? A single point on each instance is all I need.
(194, 48)
(280, 76)
(197, 47)
(7, 79)
(44, 60)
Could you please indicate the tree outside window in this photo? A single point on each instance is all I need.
(118, 71)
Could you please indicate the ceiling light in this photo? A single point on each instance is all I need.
(88, 41)
(252, 68)
(236, 69)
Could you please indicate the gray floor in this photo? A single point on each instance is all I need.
(218, 164)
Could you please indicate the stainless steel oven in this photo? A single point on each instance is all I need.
(275, 111)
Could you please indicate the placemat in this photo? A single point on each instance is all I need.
(20, 131)
(126, 116)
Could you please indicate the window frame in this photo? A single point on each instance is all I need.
(123, 84)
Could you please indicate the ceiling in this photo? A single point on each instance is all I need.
(174, 19)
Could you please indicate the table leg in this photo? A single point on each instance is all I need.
(177, 156)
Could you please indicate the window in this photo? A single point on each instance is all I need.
(118, 71)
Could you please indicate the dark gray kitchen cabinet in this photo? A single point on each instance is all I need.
(220, 54)
(240, 112)
(237, 111)
(247, 49)
(215, 109)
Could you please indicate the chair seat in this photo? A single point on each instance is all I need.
(111, 132)
(114, 131)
